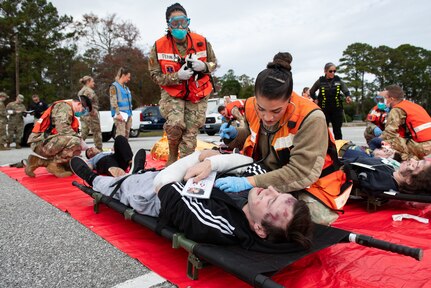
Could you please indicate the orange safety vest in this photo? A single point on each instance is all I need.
(418, 122)
(44, 122)
(237, 103)
(377, 117)
(171, 61)
(333, 186)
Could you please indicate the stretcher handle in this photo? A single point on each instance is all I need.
(369, 241)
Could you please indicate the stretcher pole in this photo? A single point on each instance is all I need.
(369, 241)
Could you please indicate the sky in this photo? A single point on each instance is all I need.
(246, 34)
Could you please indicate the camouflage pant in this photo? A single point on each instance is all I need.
(409, 148)
(123, 128)
(188, 116)
(15, 129)
(92, 122)
(58, 148)
(3, 134)
(319, 212)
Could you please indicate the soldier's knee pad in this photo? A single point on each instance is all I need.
(174, 132)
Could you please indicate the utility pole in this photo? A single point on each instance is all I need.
(16, 64)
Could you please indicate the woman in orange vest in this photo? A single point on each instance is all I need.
(288, 134)
(181, 62)
(376, 119)
(408, 127)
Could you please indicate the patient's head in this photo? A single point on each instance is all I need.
(279, 216)
(414, 176)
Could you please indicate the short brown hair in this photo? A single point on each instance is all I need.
(395, 92)
(299, 230)
(420, 183)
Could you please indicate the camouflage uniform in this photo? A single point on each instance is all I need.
(61, 147)
(3, 121)
(406, 147)
(15, 122)
(179, 113)
(91, 121)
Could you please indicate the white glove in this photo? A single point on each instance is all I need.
(197, 64)
(184, 73)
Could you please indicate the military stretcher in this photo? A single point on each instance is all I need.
(255, 268)
(379, 198)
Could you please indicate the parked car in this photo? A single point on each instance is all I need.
(213, 119)
(108, 128)
(151, 118)
(28, 127)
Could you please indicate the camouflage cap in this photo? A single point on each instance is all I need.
(20, 96)
(2, 94)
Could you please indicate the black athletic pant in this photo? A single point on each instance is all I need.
(120, 158)
(335, 116)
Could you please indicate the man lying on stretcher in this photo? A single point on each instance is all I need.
(244, 218)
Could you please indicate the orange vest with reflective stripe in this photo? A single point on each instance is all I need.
(377, 117)
(418, 122)
(332, 188)
(236, 103)
(44, 122)
(169, 60)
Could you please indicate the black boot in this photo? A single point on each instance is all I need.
(80, 168)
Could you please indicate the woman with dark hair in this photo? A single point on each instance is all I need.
(329, 99)
(181, 62)
(121, 103)
(288, 134)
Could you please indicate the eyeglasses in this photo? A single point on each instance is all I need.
(332, 71)
(179, 21)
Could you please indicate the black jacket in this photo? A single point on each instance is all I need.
(217, 220)
(379, 180)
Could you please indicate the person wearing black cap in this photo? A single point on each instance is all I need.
(55, 137)
(181, 62)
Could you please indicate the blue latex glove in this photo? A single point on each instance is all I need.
(227, 132)
(233, 184)
(377, 131)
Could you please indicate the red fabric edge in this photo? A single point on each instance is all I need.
(341, 265)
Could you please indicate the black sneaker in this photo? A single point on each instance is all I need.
(82, 170)
(138, 161)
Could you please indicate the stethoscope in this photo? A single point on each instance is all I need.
(267, 132)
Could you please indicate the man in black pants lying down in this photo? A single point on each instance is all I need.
(248, 218)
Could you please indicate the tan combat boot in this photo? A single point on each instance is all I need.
(58, 170)
(173, 154)
(34, 162)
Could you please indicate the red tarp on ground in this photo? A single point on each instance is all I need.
(341, 265)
